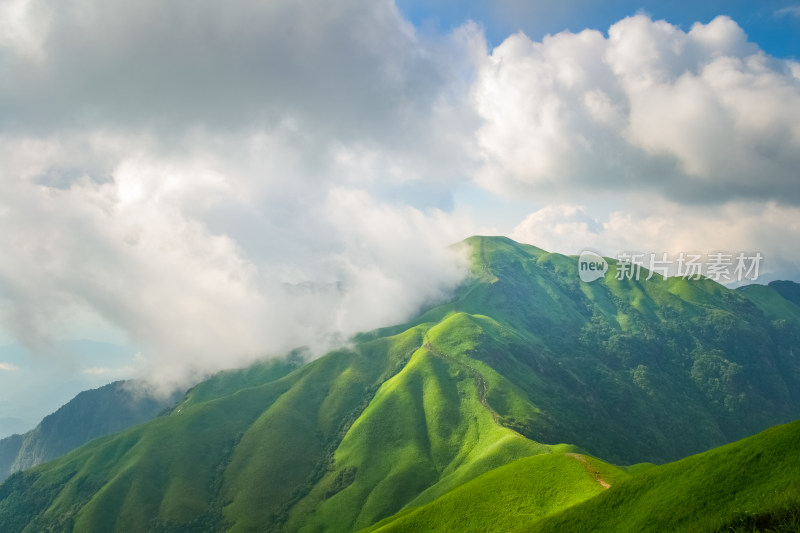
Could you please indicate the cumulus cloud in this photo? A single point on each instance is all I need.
(221, 183)
(658, 226)
(353, 71)
(185, 62)
(700, 116)
(203, 271)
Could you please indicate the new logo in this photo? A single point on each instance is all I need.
(591, 266)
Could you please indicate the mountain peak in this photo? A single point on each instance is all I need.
(523, 357)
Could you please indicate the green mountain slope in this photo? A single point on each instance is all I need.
(523, 491)
(788, 289)
(753, 484)
(523, 354)
(426, 430)
(89, 415)
(259, 455)
(620, 367)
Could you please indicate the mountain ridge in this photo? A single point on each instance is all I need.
(523, 357)
(90, 414)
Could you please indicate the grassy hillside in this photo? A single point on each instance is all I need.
(619, 367)
(425, 431)
(409, 417)
(282, 454)
(520, 492)
(750, 485)
(89, 415)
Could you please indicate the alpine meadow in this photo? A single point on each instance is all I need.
(516, 406)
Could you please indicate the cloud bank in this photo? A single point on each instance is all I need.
(224, 182)
(698, 117)
(663, 227)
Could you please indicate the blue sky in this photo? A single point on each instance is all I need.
(774, 25)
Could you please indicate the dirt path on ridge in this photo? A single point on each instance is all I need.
(483, 388)
(590, 469)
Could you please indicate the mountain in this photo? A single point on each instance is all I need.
(788, 289)
(524, 491)
(752, 485)
(523, 357)
(53, 373)
(89, 415)
(9, 450)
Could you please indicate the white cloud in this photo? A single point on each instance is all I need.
(8, 367)
(22, 27)
(223, 183)
(140, 251)
(792, 11)
(651, 225)
(697, 116)
(102, 371)
(355, 70)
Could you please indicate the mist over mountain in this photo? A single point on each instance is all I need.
(11, 425)
(525, 361)
(36, 381)
(91, 414)
(166, 189)
(250, 209)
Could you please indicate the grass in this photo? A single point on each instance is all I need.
(783, 518)
(425, 432)
(439, 421)
(751, 485)
(740, 485)
(522, 491)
